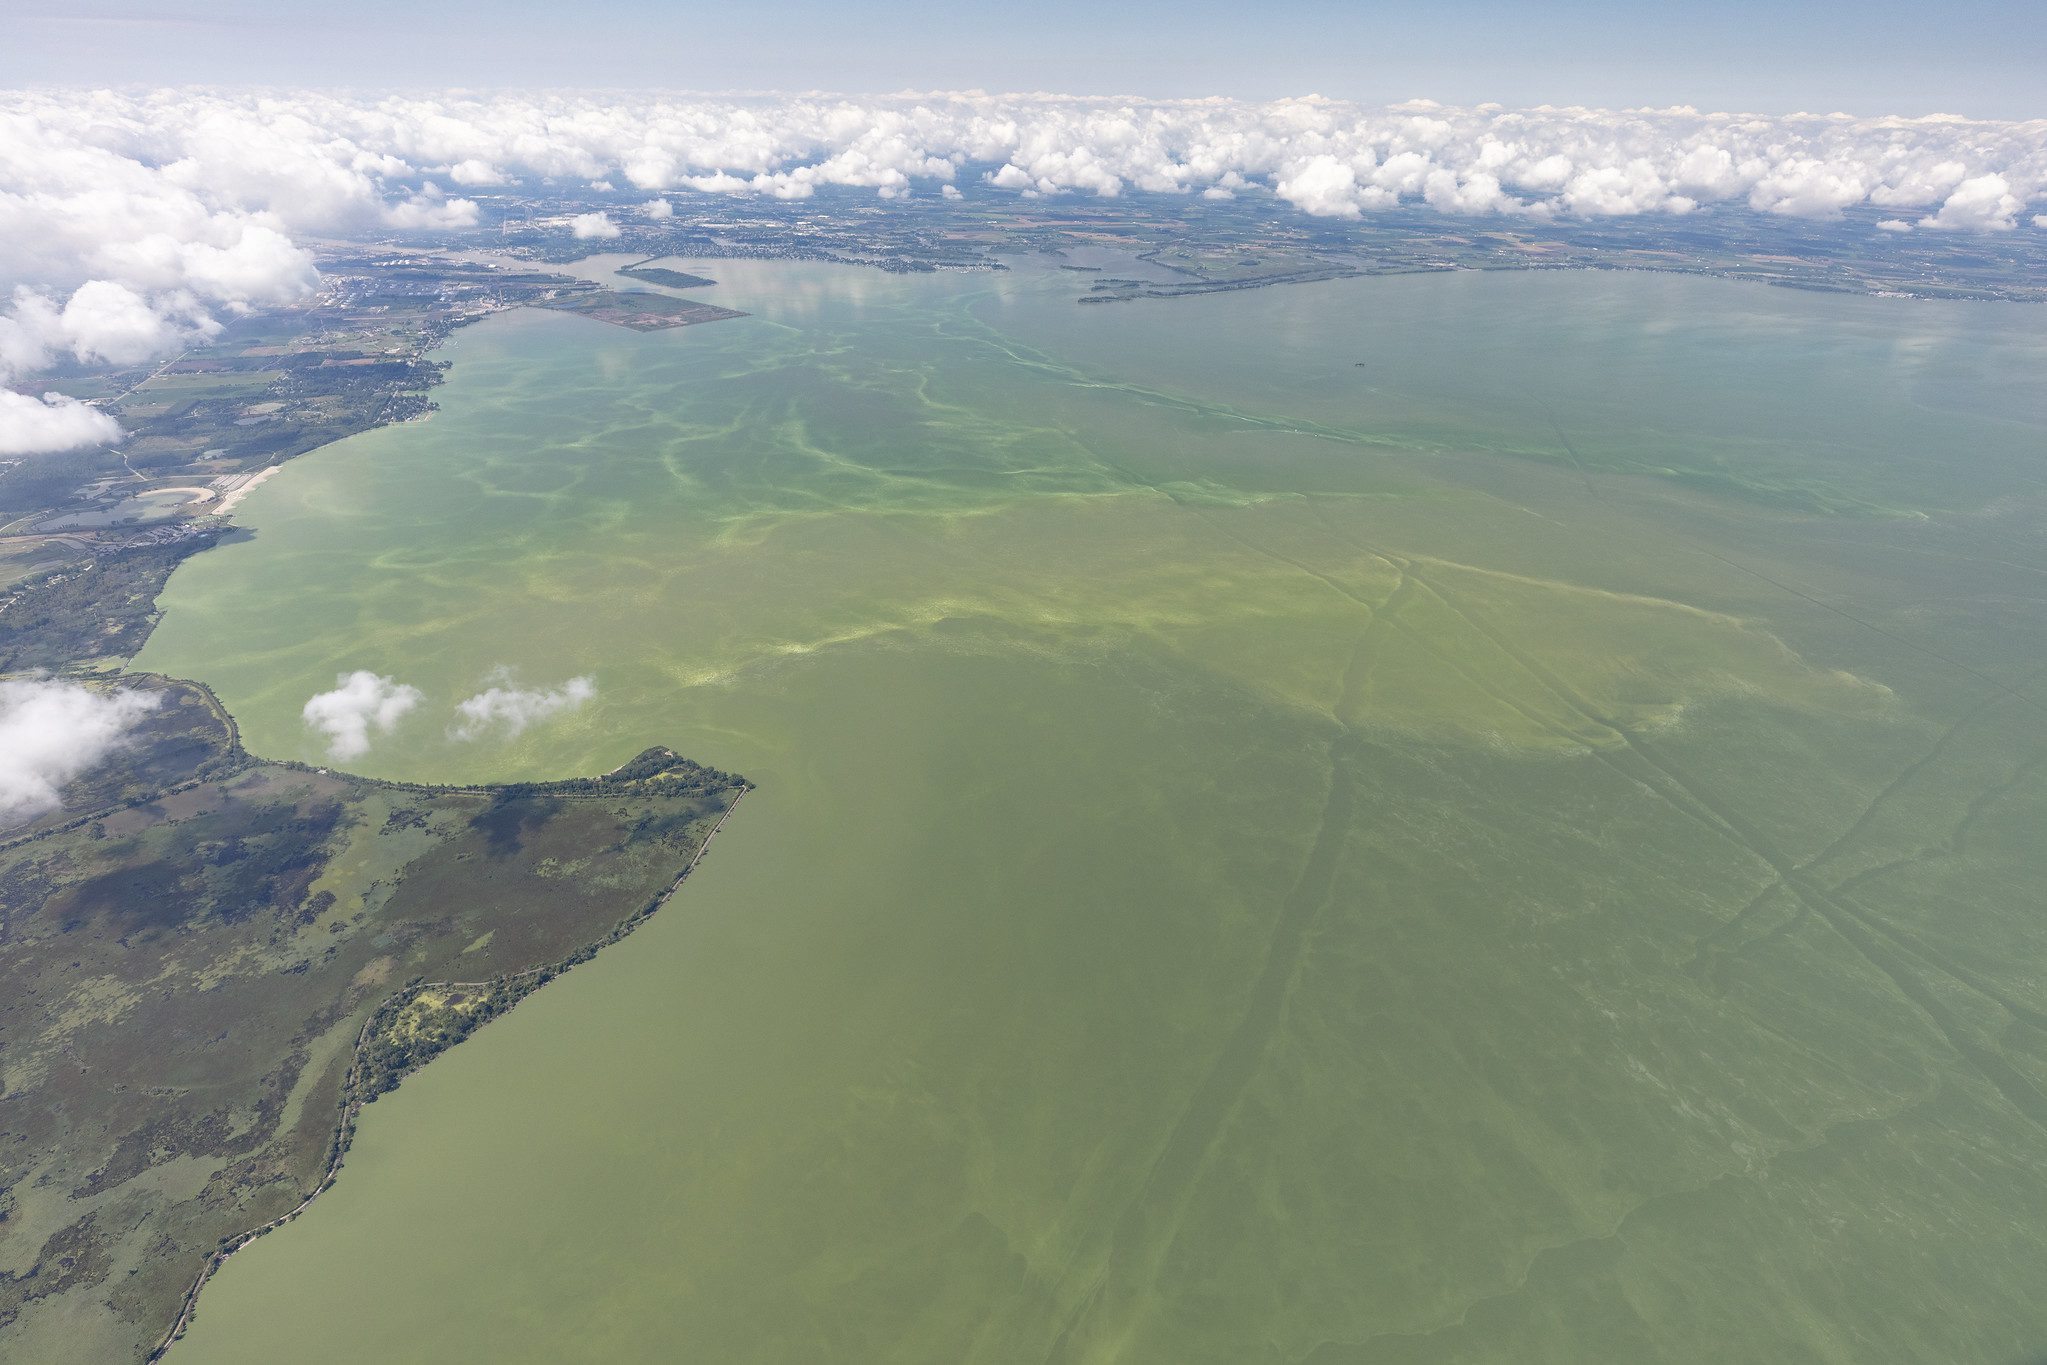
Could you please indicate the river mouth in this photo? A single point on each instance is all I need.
(1318, 824)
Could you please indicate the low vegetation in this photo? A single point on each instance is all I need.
(100, 610)
(661, 275)
(204, 977)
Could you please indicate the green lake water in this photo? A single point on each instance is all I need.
(1444, 818)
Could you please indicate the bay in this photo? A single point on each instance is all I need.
(1465, 817)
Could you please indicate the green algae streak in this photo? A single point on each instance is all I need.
(1460, 818)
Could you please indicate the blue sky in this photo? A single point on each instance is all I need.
(1986, 58)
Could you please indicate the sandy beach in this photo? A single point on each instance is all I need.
(233, 497)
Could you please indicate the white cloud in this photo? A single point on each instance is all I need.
(361, 703)
(475, 171)
(507, 711)
(432, 210)
(658, 208)
(32, 426)
(1808, 189)
(93, 171)
(127, 225)
(51, 731)
(131, 222)
(102, 321)
(1321, 185)
(1893, 225)
(255, 266)
(111, 322)
(1983, 204)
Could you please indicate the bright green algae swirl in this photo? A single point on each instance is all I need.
(1457, 818)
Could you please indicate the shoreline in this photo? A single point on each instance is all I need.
(212, 521)
(233, 497)
(353, 1101)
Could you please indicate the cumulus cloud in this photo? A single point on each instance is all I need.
(101, 321)
(1983, 203)
(126, 232)
(115, 170)
(131, 223)
(111, 322)
(476, 171)
(51, 731)
(362, 703)
(431, 209)
(1321, 185)
(32, 426)
(505, 710)
(658, 208)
